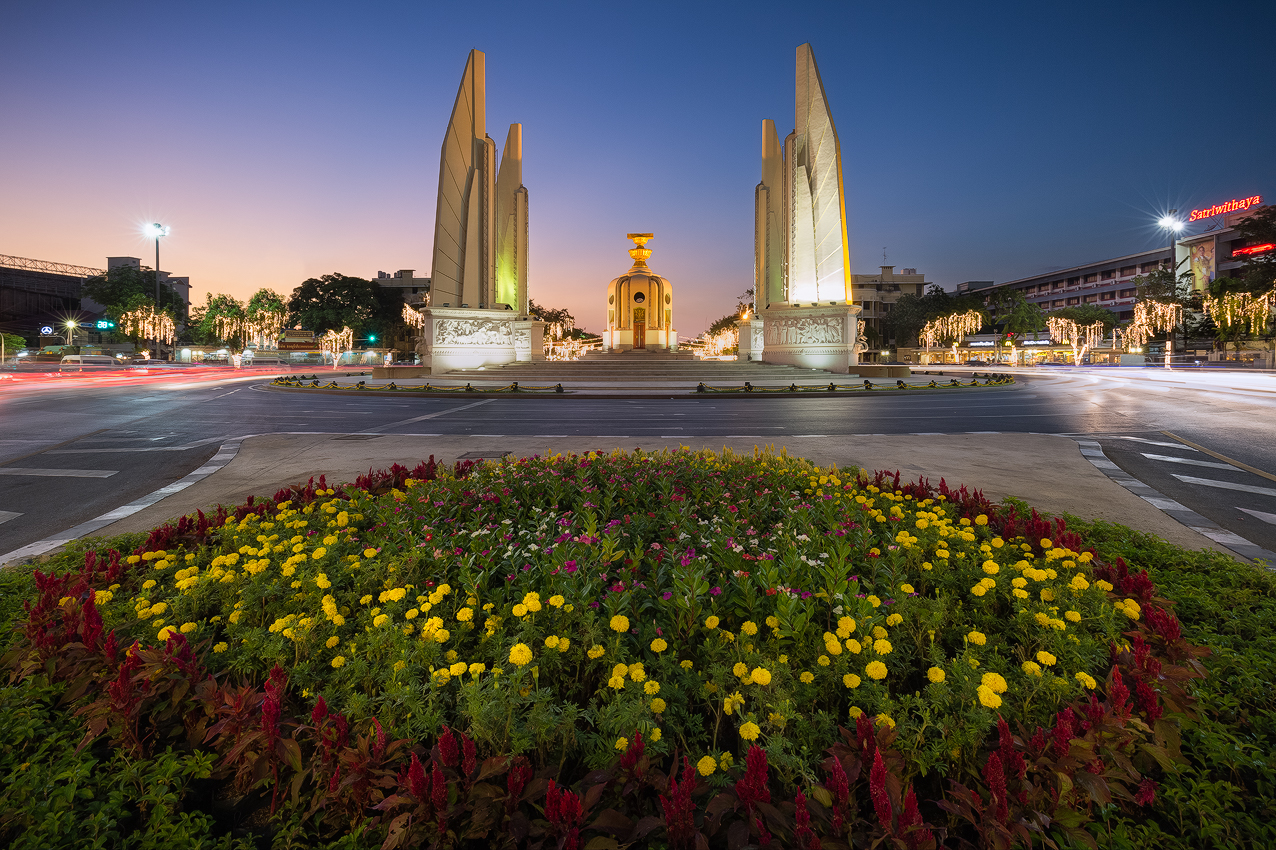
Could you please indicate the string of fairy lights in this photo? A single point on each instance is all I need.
(953, 327)
(1241, 309)
(147, 323)
(1152, 317)
(1080, 337)
(336, 343)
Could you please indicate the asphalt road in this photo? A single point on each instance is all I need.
(71, 452)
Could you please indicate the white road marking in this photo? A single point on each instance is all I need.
(1188, 461)
(426, 416)
(1155, 443)
(5, 516)
(58, 473)
(1265, 517)
(1226, 485)
(186, 447)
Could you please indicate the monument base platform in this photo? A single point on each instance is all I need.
(811, 336)
(464, 338)
(638, 355)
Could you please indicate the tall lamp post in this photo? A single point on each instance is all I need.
(156, 230)
(1170, 221)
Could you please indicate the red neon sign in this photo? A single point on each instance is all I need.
(1254, 249)
(1229, 207)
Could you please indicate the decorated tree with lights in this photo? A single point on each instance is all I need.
(221, 319)
(264, 317)
(335, 343)
(951, 329)
(1236, 310)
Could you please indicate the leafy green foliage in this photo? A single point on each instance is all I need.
(127, 288)
(335, 301)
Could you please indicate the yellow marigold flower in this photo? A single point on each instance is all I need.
(846, 627)
(991, 568)
(1045, 543)
(882, 647)
(520, 654)
(552, 641)
(1086, 679)
(158, 608)
(749, 628)
(1106, 587)
(982, 519)
(165, 632)
(187, 628)
(556, 600)
(884, 719)
(659, 645)
(458, 669)
(707, 765)
(874, 601)
(617, 682)
(369, 553)
(380, 620)
(442, 635)
(760, 676)
(894, 620)
(622, 744)
(651, 688)
(749, 731)
(834, 648)
(988, 697)
(935, 674)
(332, 641)
(658, 705)
(520, 610)
(654, 737)
(338, 661)
(711, 622)
(977, 638)
(876, 670)
(477, 668)
(740, 669)
(620, 670)
(686, 664)
(979, 590)
(319, 553)
(619, 623)
(465, 615)
(1046, 658)
(994, 681)
(1074, 616)
(732, 702)
(806, 678)
(595, 651)
(220, 646)
(855, 712)
(1031, 668)
(851, 680)
(853, 646)
(636, 672)
(563, 644)
(533, 602)
(823, 661)
(772, 622)
(879, 632)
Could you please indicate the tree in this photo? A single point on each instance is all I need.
(1164, 287)
(1014, 315)
(336, 301)
(1258, 271)
(558, 322)
(264, 316)
(11, 344)
(221, 319)
(1087, 314)
(126, 288)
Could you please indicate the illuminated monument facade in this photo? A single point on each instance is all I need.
(477, 315)
(802, 268)
(640, 306)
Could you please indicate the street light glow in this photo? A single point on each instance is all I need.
(1169, 222)
(154, 231)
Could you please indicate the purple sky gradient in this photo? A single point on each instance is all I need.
(282, 141)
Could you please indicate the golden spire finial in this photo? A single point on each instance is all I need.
(640, 252)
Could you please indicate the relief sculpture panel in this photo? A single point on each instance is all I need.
(815, 330)
(472, 332)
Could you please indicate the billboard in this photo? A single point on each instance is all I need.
(1202, 257)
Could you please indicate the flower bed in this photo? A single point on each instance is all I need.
(668, 647)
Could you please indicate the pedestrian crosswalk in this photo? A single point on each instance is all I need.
(1218, 497)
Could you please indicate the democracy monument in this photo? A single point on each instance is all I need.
(478, 307)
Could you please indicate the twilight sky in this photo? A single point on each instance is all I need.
(284, 140)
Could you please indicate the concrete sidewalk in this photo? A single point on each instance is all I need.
(1046, 471)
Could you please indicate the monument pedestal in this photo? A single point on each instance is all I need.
(750, 345)
(464, 338)
(811, 336)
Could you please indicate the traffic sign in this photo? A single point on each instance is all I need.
(46, 330)
(105, 325)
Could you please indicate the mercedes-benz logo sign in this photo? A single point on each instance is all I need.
(46, 330)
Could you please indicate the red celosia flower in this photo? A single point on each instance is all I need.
(448, 748)
(803, 836)
(877, 789)
(1011, 758)
(633, 753)
(752, 787)
(1118, 693)
(678, 809)
(1146, 795)
(468, 758)
(1063, 732)
(438, 794)
(416, 779)
(840, 788)
(320, 712)
(911, 825)
(995, 776)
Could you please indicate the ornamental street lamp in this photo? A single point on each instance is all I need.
(1174, 226)
(156, 231)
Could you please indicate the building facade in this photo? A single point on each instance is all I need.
(875, 295)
